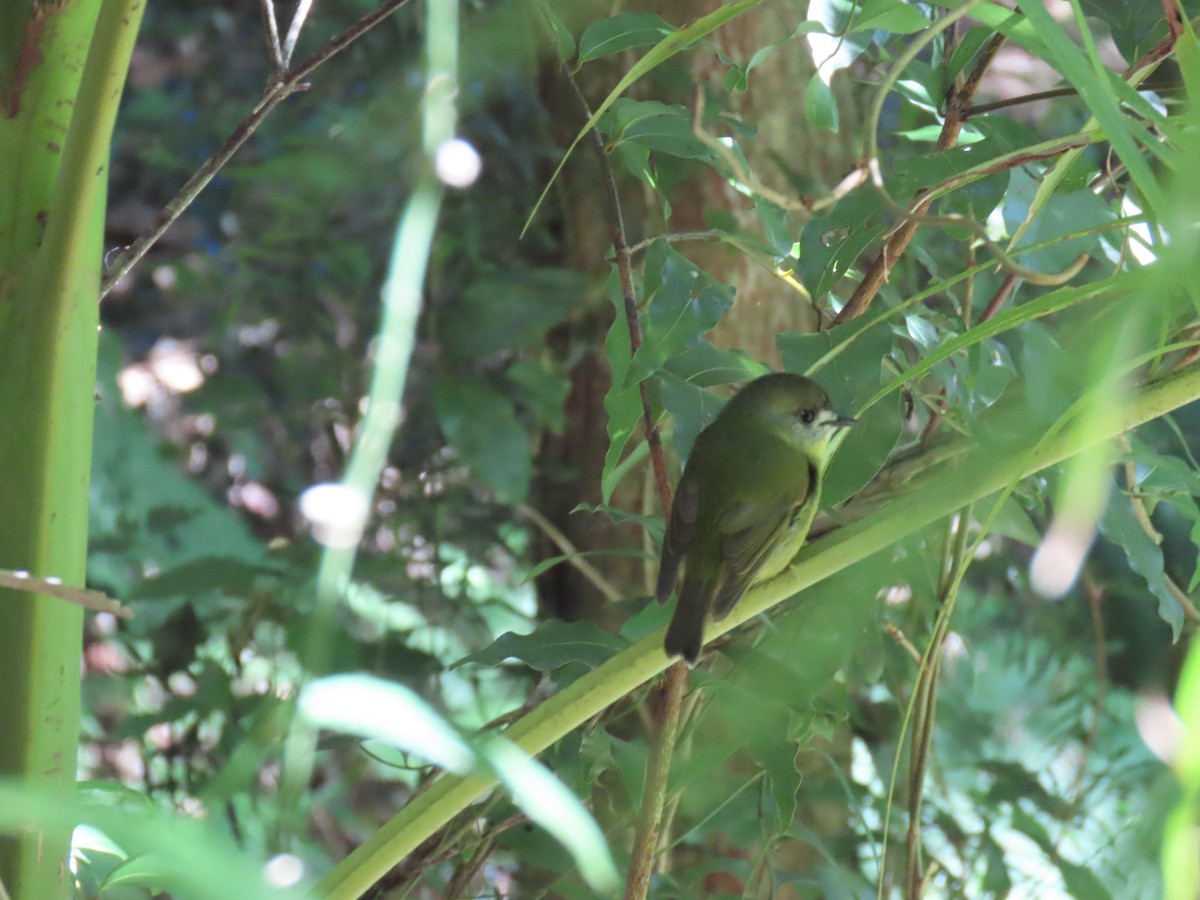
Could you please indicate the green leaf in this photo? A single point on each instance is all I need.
(669, 133)
(662, 51)
(1095, 84)
(966, 50)
(846, 360)
(508, 311)
(564, 41)
(627, 111)
(651, 524)
(895, 16)
(820, 106)
(775, 754)
(1145, 557)
(681, 307)
(922, 85)
(830, 246)
(630, 760)
(1135, 27)
(622, 32)
(704, 365)
(549, 803)
(1013, 521)
(542, 390)
(622, 401)
(1062, 216)
(862, 453)
(479, 423)
(368, 707)
(691, 407)
(552, 644)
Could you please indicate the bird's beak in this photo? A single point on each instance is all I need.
(843, 422)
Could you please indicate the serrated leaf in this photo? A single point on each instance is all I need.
(691, 407)
(622, 402)
(704, 365)
(681, 307)
(552, 644)
(1145, 557)
(652, 524)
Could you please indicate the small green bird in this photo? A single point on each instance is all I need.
(746, 500)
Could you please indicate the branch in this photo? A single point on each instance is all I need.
(940, 491)
(670, 696)
(289, 83)
(958, 101)
(271, 24)
(572, 554)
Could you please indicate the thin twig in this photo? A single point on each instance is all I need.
(289, 83)
(293, 36)
(954, 565)
(676, 237)
(97, 601)
(958, 100)
(670, 696)
(461, 880)
(572, 554)
(1002, 294)
(982, 108)
(271, 24)
(904, 643)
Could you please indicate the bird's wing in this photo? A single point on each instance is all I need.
(681, 531)
(753, 528)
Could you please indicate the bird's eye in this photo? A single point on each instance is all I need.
(807, 416)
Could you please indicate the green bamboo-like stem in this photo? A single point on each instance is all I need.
(56, 157)
(933, 495)
(393, 349)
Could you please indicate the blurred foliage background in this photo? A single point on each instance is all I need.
(512, 539)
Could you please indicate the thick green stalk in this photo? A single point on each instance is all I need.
(54, 137)
(933, 495)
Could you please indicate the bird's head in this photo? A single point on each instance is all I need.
(793, 407)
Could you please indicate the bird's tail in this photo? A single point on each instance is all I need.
(685, 634)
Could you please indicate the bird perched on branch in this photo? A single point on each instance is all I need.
(746, 500)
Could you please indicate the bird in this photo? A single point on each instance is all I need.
(745, 501)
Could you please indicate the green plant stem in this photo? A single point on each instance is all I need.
(393, 349)
(925, 693)
(1181, 864)
(49, 278)
(934, 495)
(654, 791)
